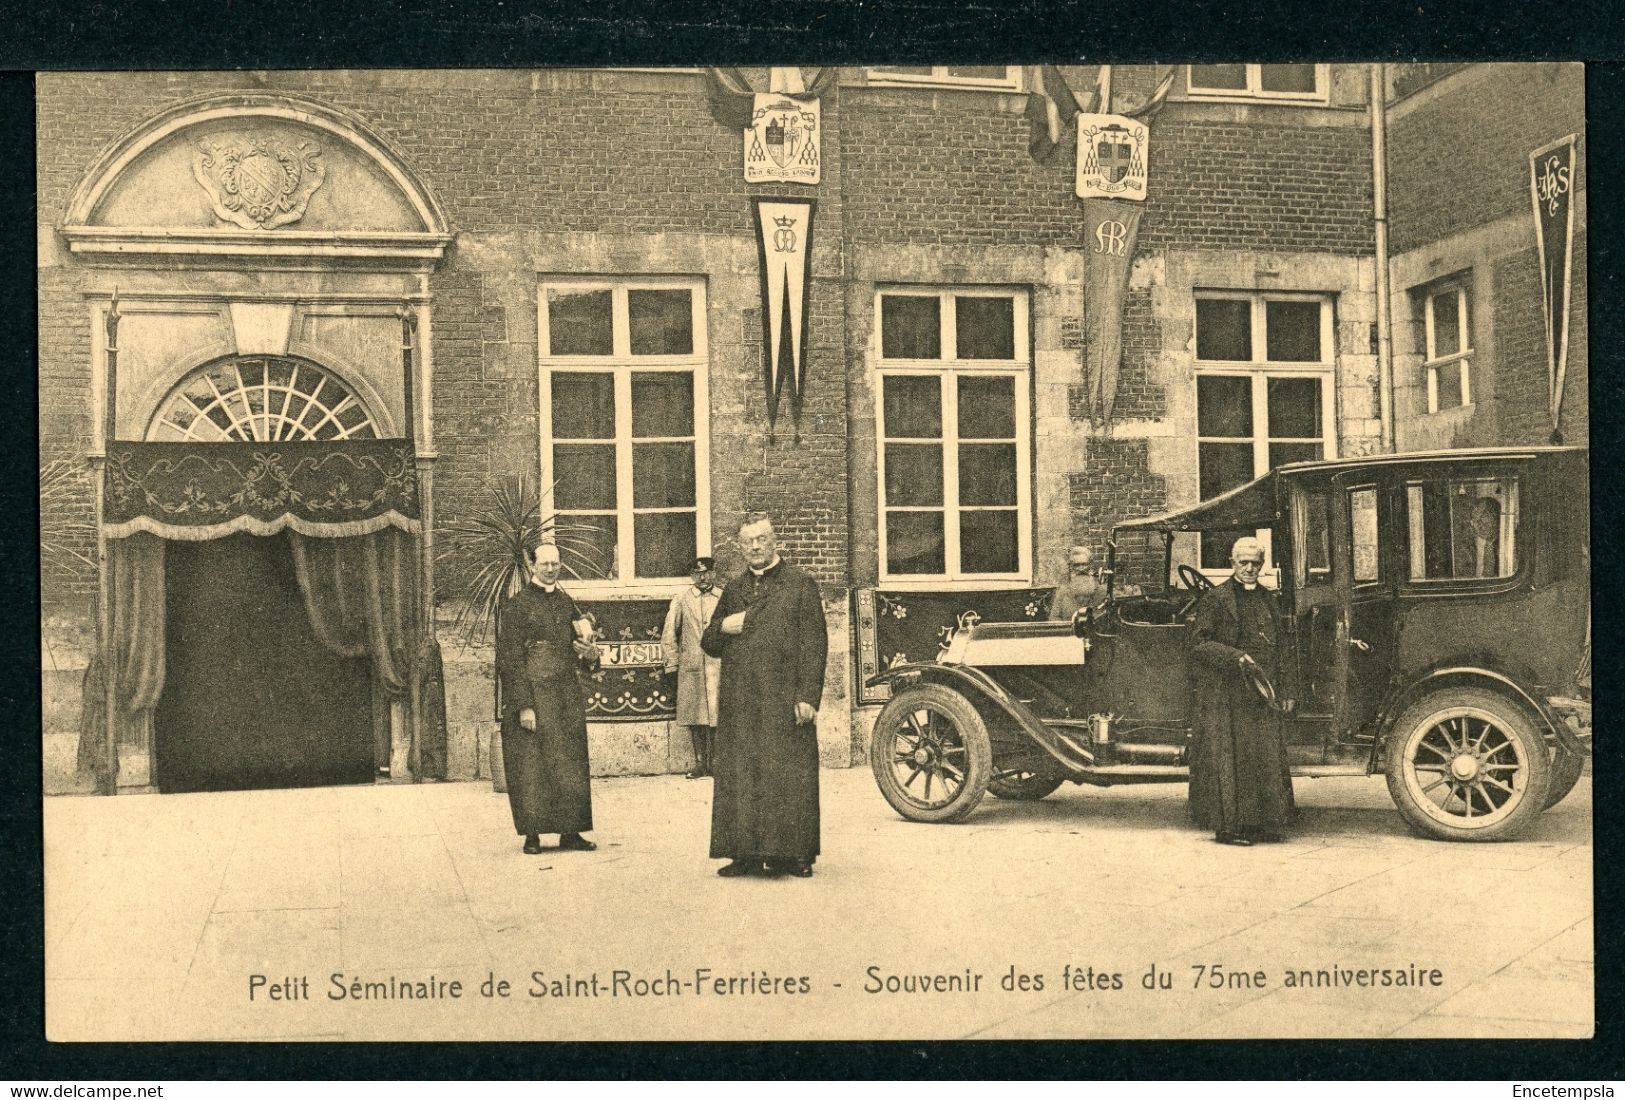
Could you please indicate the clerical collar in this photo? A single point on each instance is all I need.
(768, 568)
(544, 587)
(1249, 587)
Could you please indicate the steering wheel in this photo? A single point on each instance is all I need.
(1196, 582)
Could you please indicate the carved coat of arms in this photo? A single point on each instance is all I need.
(258, 183)
(1113, 152)
(782, 144)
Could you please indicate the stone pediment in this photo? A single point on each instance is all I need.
(255, 175)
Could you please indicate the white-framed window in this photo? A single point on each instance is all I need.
(1263, 394)
(624, 428)
(1447, 327)
(1287, 83)
(953, 427)
(995, 78)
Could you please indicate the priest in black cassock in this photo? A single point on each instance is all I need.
(768, 629)
(1240, 784)
(543, 638)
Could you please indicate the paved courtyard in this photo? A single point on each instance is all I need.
(228, 916)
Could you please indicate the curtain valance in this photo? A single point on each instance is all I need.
(197, 491)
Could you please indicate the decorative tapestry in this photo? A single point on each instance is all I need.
(895, 628)
(196, 491)
(630, 684)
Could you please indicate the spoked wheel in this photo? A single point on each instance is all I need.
(1023, 785)
(930, 754)
(1468, 764)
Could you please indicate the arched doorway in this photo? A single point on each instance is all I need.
(253, 697)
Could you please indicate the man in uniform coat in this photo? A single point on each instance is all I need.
(699, 675)
(542, 639)
(1240, 785)
(769, 631)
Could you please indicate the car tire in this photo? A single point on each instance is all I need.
(1467, 763)
(1024, 786)
(931, 755)
(1567, 768)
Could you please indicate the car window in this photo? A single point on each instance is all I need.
(1312, 523)
(1364, 533)
(1462, 528)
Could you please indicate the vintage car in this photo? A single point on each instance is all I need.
(1436, 629)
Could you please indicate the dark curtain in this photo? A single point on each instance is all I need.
(361, 593)
(136, 568)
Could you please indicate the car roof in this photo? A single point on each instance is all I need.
(1253, 504)
(1428, 458)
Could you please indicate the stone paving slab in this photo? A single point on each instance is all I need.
(1029, 920)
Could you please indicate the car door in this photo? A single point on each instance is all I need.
(1363, 586)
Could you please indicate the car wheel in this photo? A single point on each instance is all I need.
(1566, 769)
(930, 754)
(1467, 763)
(1023, 786)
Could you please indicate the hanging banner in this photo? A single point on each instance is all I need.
(784, 248)
(1113, 152)
(1111, 230)
(1551, 181)
(783, 139)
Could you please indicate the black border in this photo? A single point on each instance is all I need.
(151, 34)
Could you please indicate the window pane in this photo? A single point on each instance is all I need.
(662, 322)
(663, 477)
(1282, 453)
(987, 408)
(1219, 76)
(1294, 407)
(987, 473)
(583, 476)
(664, 543)
(985, 328)
(1449, 375)
(979, 72)
(913, 407)
(583, 405)
(1363, 531)
(913, 474)
(910, 327)
(1314, 536)
(578, 322)
(987, 542)
(1223, 466)
(1446, 324)
(914, 542)
(1224, 406)
(1224, 329)
(1292, 332)
(1216, 545)
(1287, 78)
(662, 403)
(592, 543)
(1462, 529)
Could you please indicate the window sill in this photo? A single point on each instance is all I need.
(943, 584)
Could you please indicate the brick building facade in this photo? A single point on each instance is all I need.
(500, 208)
(1463, 235)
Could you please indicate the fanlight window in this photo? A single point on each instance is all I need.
(262, 399)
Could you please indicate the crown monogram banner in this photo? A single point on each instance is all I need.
(1551, 190)
(784, 248)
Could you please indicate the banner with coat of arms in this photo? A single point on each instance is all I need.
(1113, 151)
(782, 144)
